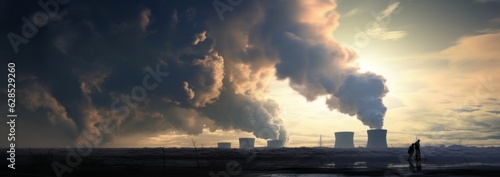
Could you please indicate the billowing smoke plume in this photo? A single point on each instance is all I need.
(361, 94)
(175, 66)
(296, 39)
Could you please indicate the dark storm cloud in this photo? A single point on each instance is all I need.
(151, 66)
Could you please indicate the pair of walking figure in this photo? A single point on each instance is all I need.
(414, 148)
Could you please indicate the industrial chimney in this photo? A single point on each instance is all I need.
(377, 138)
(344, 139)
(247, 143)
(224, 145)
(275, 143)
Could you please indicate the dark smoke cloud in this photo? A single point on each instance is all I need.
(96, 52)
(295, 38)
(361, 94)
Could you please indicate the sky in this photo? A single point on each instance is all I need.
(161, 73)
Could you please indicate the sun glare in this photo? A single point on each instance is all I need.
(367, 64)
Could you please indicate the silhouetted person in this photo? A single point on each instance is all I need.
(417, 149)
(411, 150)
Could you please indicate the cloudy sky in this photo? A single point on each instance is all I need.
(160, 73)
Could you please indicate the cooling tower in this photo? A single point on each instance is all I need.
(344, 139)
(247, 143)
(224, 145)
(377, 138)
(275, 143)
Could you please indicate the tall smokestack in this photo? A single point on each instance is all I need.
(344, 139)
(275, 143)
(224, 145)
(247, 143)
(377, 138)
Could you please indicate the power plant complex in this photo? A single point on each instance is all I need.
(377, 139)
(249, 143)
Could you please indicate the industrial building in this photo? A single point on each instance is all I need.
(344, 139)
(275, 143)
(247, 143)
(377, 138)
(224, 145)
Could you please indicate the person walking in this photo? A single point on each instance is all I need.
(411, 150)
(417, 150)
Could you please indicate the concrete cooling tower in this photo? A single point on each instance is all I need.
(377, 138)
(247, 143)
(275, 143)
(344, 139)
(224, 145)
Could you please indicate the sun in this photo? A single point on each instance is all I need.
(368, 65)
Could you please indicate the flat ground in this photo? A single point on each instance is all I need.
(451, 161)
